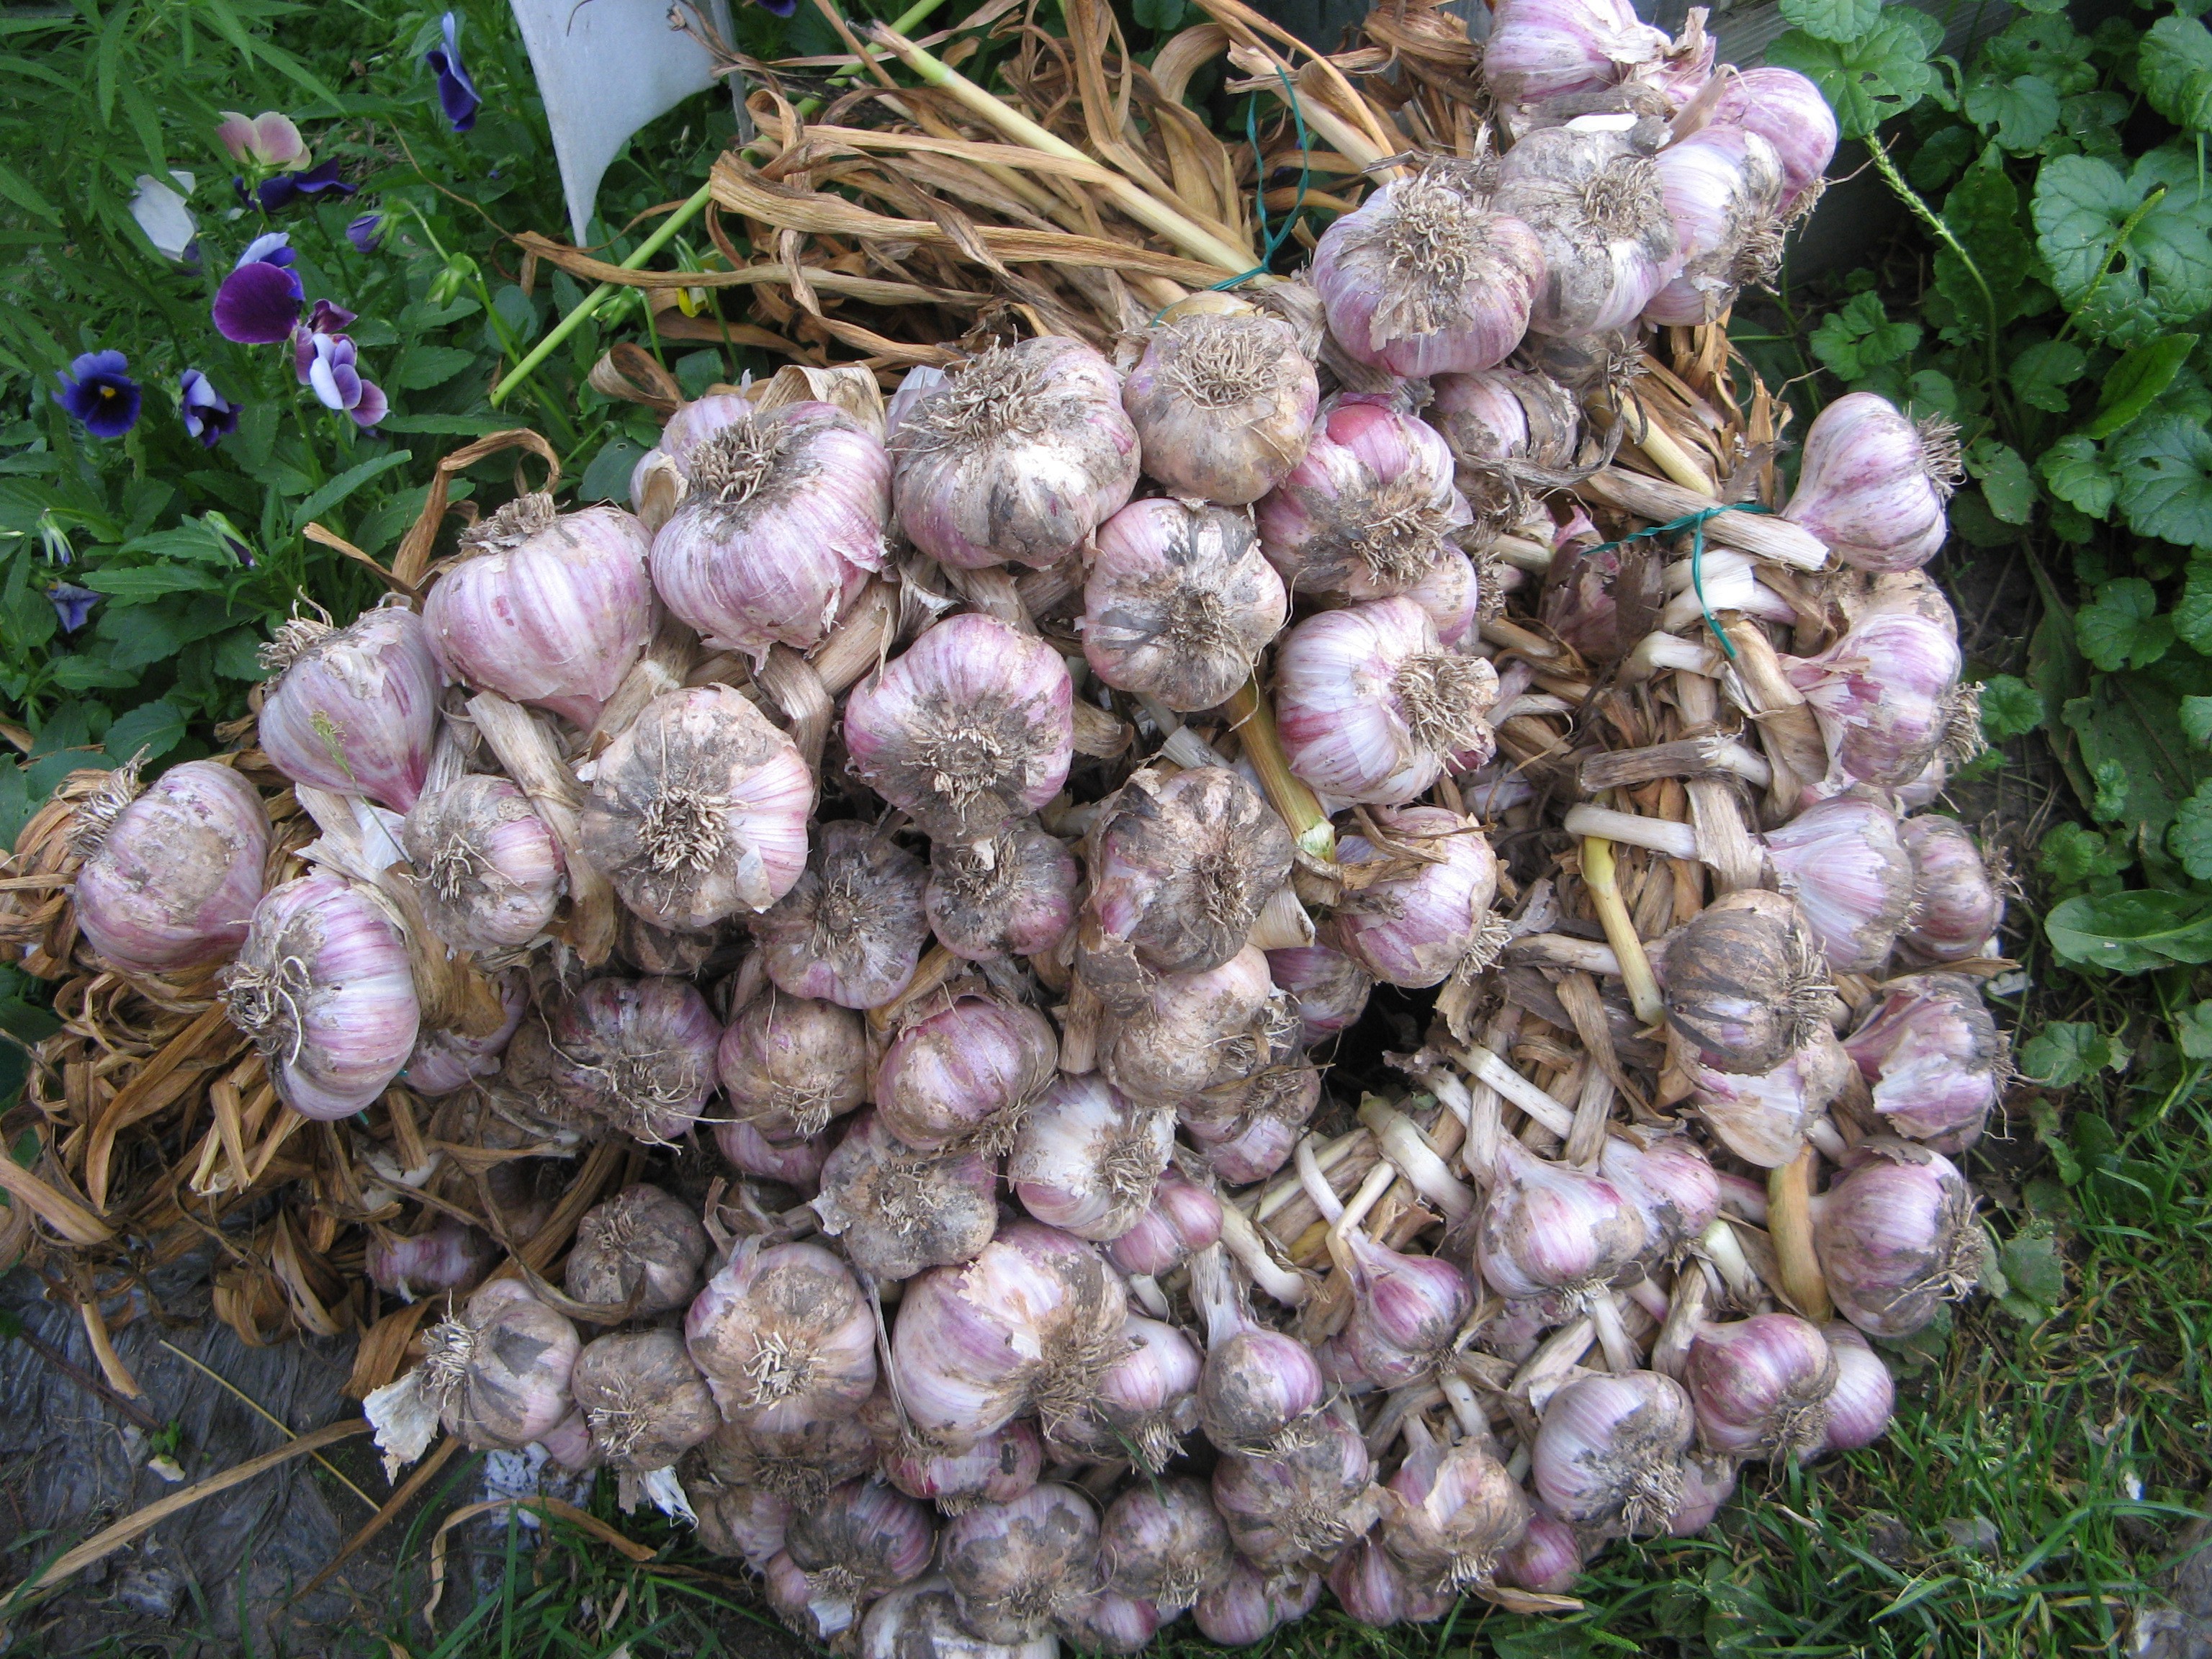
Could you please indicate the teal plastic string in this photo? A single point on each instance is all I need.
(1271, 241)
(1694, 525)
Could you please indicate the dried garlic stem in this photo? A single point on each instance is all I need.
(1789, 1223)
(1598, 876)
(1254, 725)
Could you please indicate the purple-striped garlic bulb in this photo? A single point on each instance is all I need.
(965, 1073)
(1163, 1542)
(1936, 1060)
(487, 869)
(1426, 921)
(1723, 186)
(1552, 1228)
(1222, 402)
(1760, 1386)
(1017, 1568)
(1598, 206)
(171, 872)
(1327, 989)
(1497, 421)
(1874, 482)
(784, 1336)
(1958, 891)
(1761, 1116)
(1178, 603)
(636, 1056)
(1182, 1219)
(644, 1242)
(1745, 982)
(1369, 511)
(1844, 863)
(1897, 1239)
(790, 1065)
(1540, 50)
(851, 929)
(642, 1399)
(1085, 1159)
(1794, 116)
(894, 1210)
(498, 1370)
(1449, 1512)
(1610, 1453)
(353, 709)
(1197, 1031)
(444, 1062)
(1012, 893)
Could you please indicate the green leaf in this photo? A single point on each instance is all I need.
(1882, 72)
(2135, 382)
(2034, 1272)
(2189, 838)
(1983, 212)
(2071, 856)
(2161, 278)
(136, 585)
(156, 727)
(2127, 732)
(2121, 629)
(2192, 613)
(2075, 470)
(2164, 471)
(344, 485)
(2067, 1052)
(2011, 708)
(2007, 485)
(2196, 718)
(2041, 373)
(79, 672)
(607, 478)
(2132, 933)
(20, 191)
(1832, 20)
(2024, 111)
(1859, 336)
(422, 367)
(445, 426)
(2175, 64)
(2192, 1030)
(1162, 18)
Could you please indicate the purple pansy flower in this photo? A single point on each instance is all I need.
(71, 603)
(283, 189)
(335, 377)
(208, 415)
(100, 394)
(366, 232)
(457, 94)
(323, 318)
(259, 300)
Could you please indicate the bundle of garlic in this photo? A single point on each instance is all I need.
(955, 847)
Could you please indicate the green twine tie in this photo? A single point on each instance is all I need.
(1694, 523)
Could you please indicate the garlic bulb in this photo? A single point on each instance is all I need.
(1745, 982)
(643, 1242)
(1449, 1512)
(1180, 869)
(797, 1163)
(1108, 1622)
(1014, 1566)
(1221, 405)
(170, 875)
(746, 1521)
(1873, 483)
(1723, 188)
(487, 868)
(781, 527)
(1670, 1181)
(1843, 861)
(1888, 700)
(1370, 705)
(1936, 1060)
(353, 709)
(1033, 1322)
(1163, 1542)
(784, 1336)
(1301, 1500)
(324, 986)
(1609, 1454)
(996, 1469)
(1367, 512)
(798, 1464)
(1252, 1144)
(1547, 1559)
(1194, 1031)
(1084, 1159)
(1794, 116)
(451, 1256)
(1452, 595)
(970, 732)
(698, 810)
(1182, 1219)
(790, 1065)
(1146, 1402)
(1538, 50)
(1496, 422)
(1327, 990)
(921, 1620)
(1406, 1312)
(1020, 455)
(1178, 603)
(896, 1210)
(637, 1055)
(1249, 1606)
(1375, 1590)
(1957, 893)
(966, 1072)
(1422, 278)
(1709, 1480)
(851, 928)
(1599, 210)
(498, 1371)
(1897, 1239)
(1860, 1406)
(1421, 925)
(1760, 1386)
(644, 1401)
(1012, 895)
(862, 1539)
(682, 952)
(547, 608)
(1258, 1383)
(694, 422)
(1551, 1227)
(1761, 1116)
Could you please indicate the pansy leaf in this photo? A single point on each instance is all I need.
(2075, 471)
(157, 727)
(2175, 64)
(2164, 471)
(2134, 383)
(2121, 627)
(1880, 73)
(2024, 110)
(1832, 20)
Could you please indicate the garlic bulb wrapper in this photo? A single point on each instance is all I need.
(489, 872)
(1422, 278)
(784, 1336)
(1249, 1606)
(636, 1055)
(862, 1538)
(1938, 1062)
(1599, 211)
(797, 1163)
(824, 1616)
(1258, 1143)
(1543, 49)
(968, 1071)
(1257, 1383)
(1163, 1542)
(1221, 405)
(1182, 1219)
(1084, 1159)
(1449, 1512)
(1180, 869)
(1722, 187)
(1012, 894)
(1406, 1312)
(1793, 115)
(1195, 1031)
(694, 422)
(1957, 893)
(798, 1464)
(1452, 594)
(1888, 700)
(781, 527)
(851, 928)
(1609, 1454)
(790, 1065)
(1015, 1565)
(1860, 1407)
(1419, 925)
(921, 1620)
(324, 986)
(1760, 1386)
(1000, 1466)
(1550, 1227)
(1374, 1588)
(1495, 418)
(1670, 1181)
(683, 953)
(643, 1242)
(896, 1210)
(1366, 513)
(1844, 863)
(1178, 603)
(1547, 1559)
(744, 1521)
(970, 732)
(1370, 705)
(498, 1370)
(1709, 1480)
(1034, 1320)
(1874, 482)
(1146, 1402)
(698, 810)
(1302, 1499)
(1108, 1622)
(1327, 989)
(1761, 1116)
(644, 1401)
(550, 609)
(353, 709)
(170, 876)
(1745, 982)
(448, 1257)
(1897, 1238)
(1020, 455)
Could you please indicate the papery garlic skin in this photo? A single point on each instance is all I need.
(1250, 1606)
(1843, 861)
(784, 1336)
(1938, 1062)
(1543, 49)
(1221, 405)
(1417, 928)
(1302, 1500)
(1422, 278)
(1598, 207)
(1958, 894)
(1897, 1239)
(547, 608)
(1370, 705)
(171, 875)
(699, 810)
(1794, 116)
(1670, 1181)
(1888, 698)
(644, 1399)
(970, 1070)
(1258, 1384)
(1873, 483)
(920, 1620)
(324, 989)
(797, 1163)
(1452, 594)
(1761, 1385)
(1761, 1116)
(451, 1256)
(1015, 1566)
(790, 1065)
(851, 928)
(1085, 1159)
(1368, 509)
(1374, 1588)
(1001, 1466)
(1182, 1219)
(862, 1538)
(635, 1055)
(970, 732)
(1495, 421)
(694, 422)
(1012, 894)
(1018, 456)
(1450, 1513)
(487, 868)
(1194, 1031)
(498, 1370)
(1723, 188)
(1406, 1312)
(1327, 989)
(353, 709)
(1609, 1454)
(1146, 1400)
(1163, 1542)
(797, 1465)
(1178, 603)
(782, 526)
(895, 1211)
(1547, 1559)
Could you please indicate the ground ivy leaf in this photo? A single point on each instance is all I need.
(1859, 337)
(2175, 64)
(2121, 627)
(2024, 110)
(2071, 856)
(2196, 718)
(2010, 708)
(2135, 381)
(2192, 1030)
(1832, 20)
(2192, 613)
(2075, 469)
(2069, 1051)
(2164, 471)
(2041, 373)
(2007, 485)
(1882, 72)
(2035, 1273)
(2161, 278)
(2189, 839)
